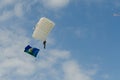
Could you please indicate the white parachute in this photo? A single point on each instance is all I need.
(42, 29)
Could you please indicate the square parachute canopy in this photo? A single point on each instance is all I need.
(31, 51)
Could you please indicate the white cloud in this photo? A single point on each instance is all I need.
(52, 57)
(90, 2)
(10, 9)
(116, 3)
(106, 76)
(18, 10)
(4, 3)
(55, 4)
(11, 57)
(6, 15)
(92, 72)
(94, 0)
(79, 32)
(52, 64)
(72, 71)
(116, 14)
(13, 8)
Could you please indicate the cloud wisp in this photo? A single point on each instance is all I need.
(19, 9)
(55, 4)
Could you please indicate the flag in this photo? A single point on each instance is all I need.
(31, 51)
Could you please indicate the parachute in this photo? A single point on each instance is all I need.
(42, 29)
(41, 32)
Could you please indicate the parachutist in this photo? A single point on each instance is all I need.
(44, 43)
(42, 30)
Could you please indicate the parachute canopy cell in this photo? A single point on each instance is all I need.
(43, 28)
(31, 51)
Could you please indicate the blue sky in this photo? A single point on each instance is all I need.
(84, 45)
